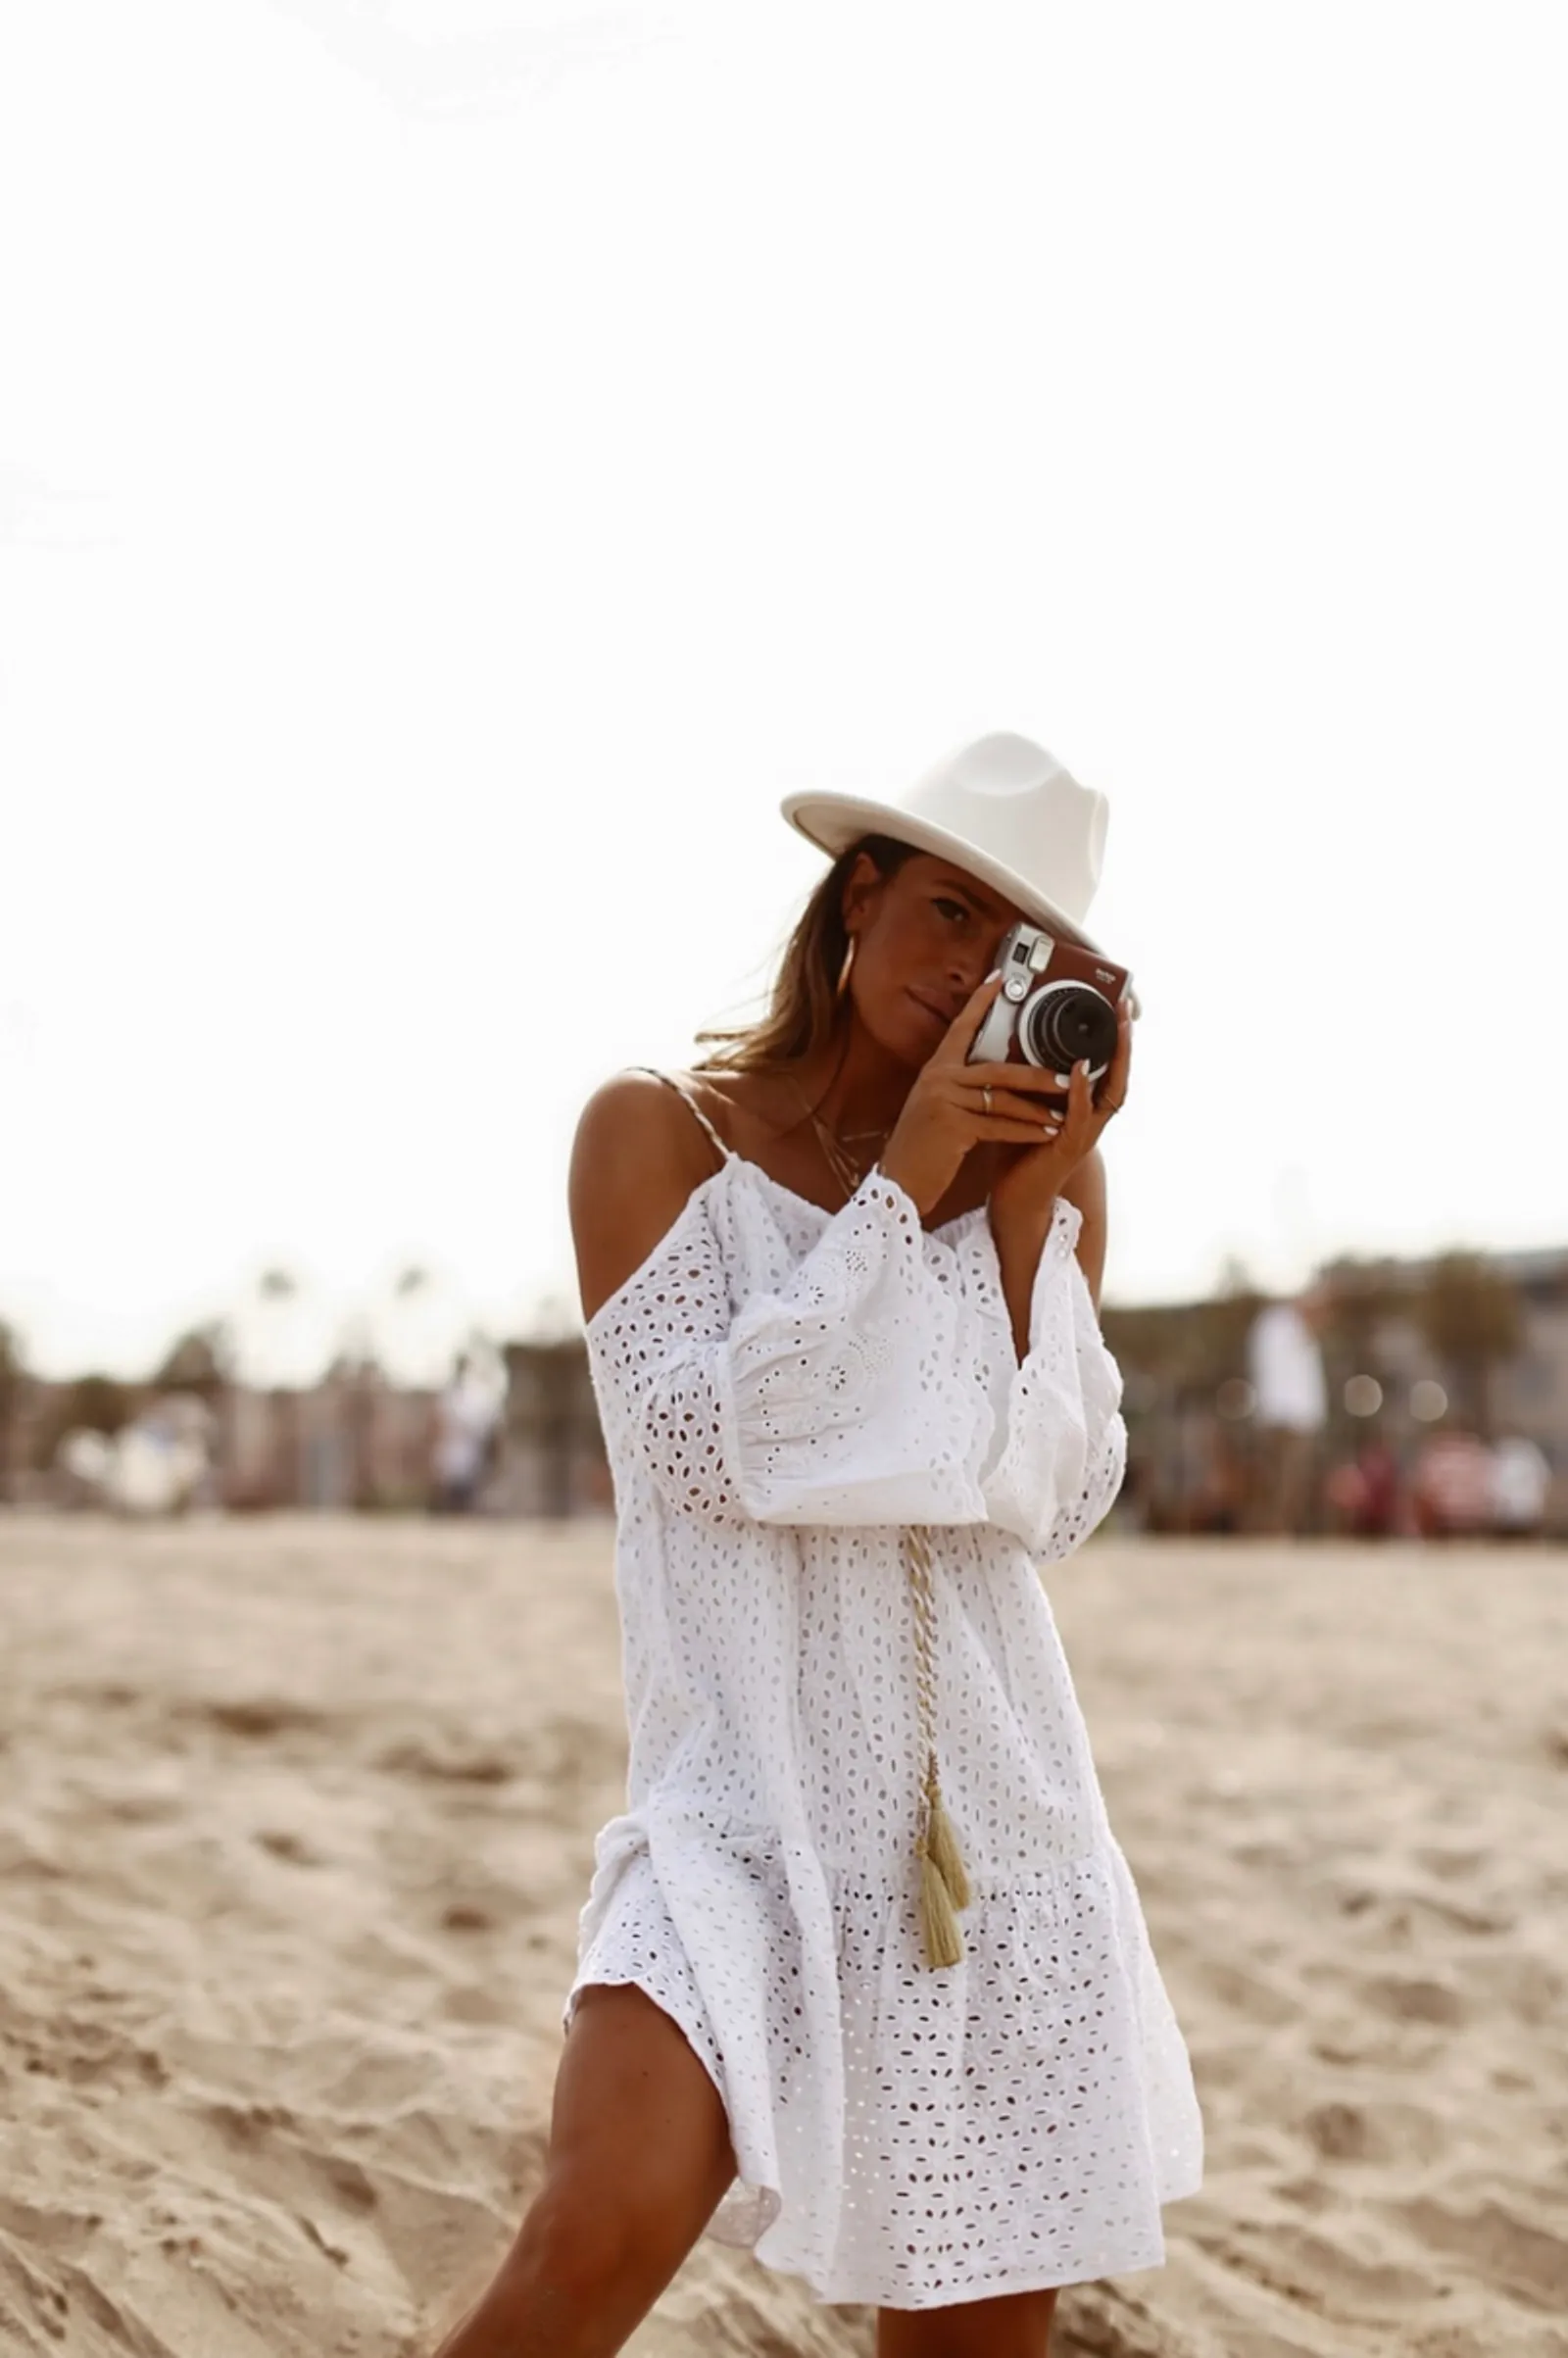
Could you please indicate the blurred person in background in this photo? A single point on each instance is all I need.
(1521, 1483)
(1218, 1507)
(1285, 1364)
(467, 1415)
(841, 1287)
(1451, 1485)
(160, 1463)
(1367, 1492)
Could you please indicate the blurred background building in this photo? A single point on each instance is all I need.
(1394, 1398)
(1415, 1357)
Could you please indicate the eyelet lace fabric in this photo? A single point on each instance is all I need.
(782, 1390)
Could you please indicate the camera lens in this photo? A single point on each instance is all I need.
(1064, 1021)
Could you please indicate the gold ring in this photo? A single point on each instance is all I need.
(985, 1096)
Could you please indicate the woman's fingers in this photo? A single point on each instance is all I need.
(955, 1041)
(974, 1097)
(1000, 1131)
(1113, 1087)
(1030, 1077)
(1010, 1102)
(997, 1112)
(1071, 1102)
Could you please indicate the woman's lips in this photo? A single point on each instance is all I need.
(932, 1014)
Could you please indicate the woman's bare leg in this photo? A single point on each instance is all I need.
(1015, 2324)
(639, 2155)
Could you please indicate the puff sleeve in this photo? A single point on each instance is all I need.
(1059, 1445)
(849, 1393)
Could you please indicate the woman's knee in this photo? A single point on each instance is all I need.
(637, 2159)
(569, 2241)
(587, 2246)
(637, 2125)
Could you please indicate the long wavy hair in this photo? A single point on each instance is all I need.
(803, 1009)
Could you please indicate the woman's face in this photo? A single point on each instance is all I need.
(925, 937)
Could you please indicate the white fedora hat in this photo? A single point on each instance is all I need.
(1003, 809)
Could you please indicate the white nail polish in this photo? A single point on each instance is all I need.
(1064, 1080)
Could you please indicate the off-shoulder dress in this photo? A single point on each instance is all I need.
(782, 1391)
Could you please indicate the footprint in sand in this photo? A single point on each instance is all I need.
(1450, 1866)
(453, 1767)
(1389, 2132)
(1416, 2000)
(291, 1846)
(257, 1718)
(1343, 2133)
(463, 1917)
(1503, 2250)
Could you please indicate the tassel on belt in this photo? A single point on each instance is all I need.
(943, 1884)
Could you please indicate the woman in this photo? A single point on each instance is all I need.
(862, 1981)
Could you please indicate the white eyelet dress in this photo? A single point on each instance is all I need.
(782, 1391)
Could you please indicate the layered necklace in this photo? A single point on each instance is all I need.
(847, 1169)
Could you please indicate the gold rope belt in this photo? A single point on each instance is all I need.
(944, 1884)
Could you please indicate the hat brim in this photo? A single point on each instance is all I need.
(835, 821)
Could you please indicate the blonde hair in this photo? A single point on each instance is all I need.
(803, 1009)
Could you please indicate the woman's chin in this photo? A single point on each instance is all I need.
(905, 1041)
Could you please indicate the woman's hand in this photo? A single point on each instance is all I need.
(1028, 1187)
(955, 1107)
(1023, 1195)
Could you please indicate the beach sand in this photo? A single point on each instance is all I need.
(296, 1818)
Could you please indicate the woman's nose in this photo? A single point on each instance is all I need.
(969, 964)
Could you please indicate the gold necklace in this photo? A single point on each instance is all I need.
(835, 1150)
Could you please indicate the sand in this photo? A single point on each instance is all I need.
(296, 1817)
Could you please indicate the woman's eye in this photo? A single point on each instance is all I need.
(951, 909)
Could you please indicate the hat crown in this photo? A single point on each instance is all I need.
(1001, 809)
(1015, 803)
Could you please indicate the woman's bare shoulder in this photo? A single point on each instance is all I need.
(637, 1156)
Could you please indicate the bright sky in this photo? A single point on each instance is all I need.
(458, 466)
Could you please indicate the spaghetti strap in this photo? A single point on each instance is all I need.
(691, 1104)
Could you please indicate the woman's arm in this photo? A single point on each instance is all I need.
(1064, 1445)
(1087, 1188)
(1067, 1168)
(1060, 1449)
(1019, 1231)
(852, 1392)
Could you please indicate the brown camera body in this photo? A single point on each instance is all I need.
(1057, 1004)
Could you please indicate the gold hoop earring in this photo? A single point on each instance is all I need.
(845, 971)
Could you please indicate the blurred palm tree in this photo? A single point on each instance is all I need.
(1363, 1299)
(91, 1403)
(201, 1362)
(1188, 1348)
(551, 1411)
(204, 1364)
(427, 1326)
(1188, 1444)
(413, 1290)
(98, 1404)
(277, 1294)
(357, 1377)
(1472, 1317)
(1362, 1295)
